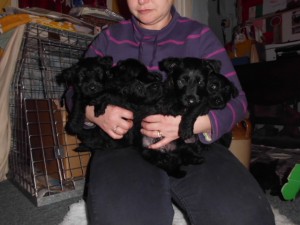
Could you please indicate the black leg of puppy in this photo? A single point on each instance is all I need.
(186, 126)
(168, 161)
(191, 153)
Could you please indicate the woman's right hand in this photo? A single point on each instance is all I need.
(115, 121)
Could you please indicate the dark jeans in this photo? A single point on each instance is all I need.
(126, 190)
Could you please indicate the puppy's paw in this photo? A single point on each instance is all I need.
(196, 160)
(185, 133)
(73, 128)
(99, 110)
(82, 148)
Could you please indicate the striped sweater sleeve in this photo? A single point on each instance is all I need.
(223, 120)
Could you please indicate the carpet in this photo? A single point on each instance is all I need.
(77, 216)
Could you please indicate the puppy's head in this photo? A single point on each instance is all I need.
(146, 89)
(127, 70)
(132, 79)
(220, 90)
(188, 77)
(87, 75)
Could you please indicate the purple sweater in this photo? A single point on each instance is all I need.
(183, 37)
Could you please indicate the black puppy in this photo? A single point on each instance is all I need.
(87, 77)
(200, 88)
(193, 87)
(128, 84)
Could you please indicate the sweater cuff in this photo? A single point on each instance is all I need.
(88, 125)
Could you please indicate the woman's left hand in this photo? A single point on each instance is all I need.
(156, 126)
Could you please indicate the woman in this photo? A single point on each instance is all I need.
(123, 188)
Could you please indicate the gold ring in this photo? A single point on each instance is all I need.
(159, 134)
(115, 129)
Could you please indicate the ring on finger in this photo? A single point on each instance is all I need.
(159, 134)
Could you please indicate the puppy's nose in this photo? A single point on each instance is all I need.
(191, 100)
(155, 86)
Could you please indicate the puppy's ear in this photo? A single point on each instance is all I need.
(231, 88)
(66, 76)
(108, 75)
(106, 61)
(169, 85)
(235, 91)
(157, 76)
(168, 65)
(59, 78)
(213, 65)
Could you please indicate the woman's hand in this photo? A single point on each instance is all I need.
(116, 121)
(161, 126)
(168, 126)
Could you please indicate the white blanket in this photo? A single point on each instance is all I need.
(77, 216)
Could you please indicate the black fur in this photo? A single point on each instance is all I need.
(88, 78)
(127, 85)
(130, 86)
(133, 87)
(193, 87)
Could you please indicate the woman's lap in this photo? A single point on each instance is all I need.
(124, 189)
(221, 191)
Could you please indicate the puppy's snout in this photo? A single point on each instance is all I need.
(155, 86)
(92, 88)
(190, 100)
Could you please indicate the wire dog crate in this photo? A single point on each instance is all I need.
(42, 160)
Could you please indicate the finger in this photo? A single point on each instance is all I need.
(125, 124)
(115, 135)
(152, 133)
(126, 114)
(120, 131)
(160, 144)
(152, 118)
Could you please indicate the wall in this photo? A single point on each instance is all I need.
(184, 7)
(212, 12)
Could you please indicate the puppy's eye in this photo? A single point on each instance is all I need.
(219, 101)
(214, 87)
(82, 77)
(139, 86)
(180, 83)
(201, 83)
